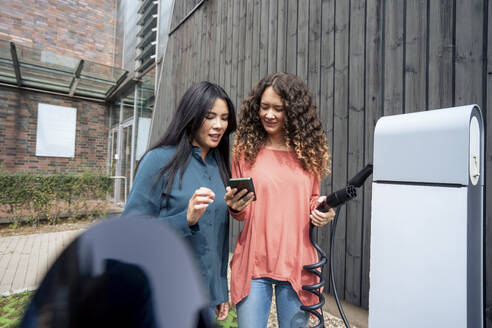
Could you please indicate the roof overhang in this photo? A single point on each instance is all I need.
(45, 71)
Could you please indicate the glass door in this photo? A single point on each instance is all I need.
(125, 158)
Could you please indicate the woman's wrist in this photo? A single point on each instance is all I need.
(233, 210)
(190, 221)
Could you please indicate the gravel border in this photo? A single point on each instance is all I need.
(330, 320)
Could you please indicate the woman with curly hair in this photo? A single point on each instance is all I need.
(280, 143)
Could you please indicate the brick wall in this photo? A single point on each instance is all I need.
(18, 124)
(81, 29)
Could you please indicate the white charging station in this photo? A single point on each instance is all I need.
(426, 265)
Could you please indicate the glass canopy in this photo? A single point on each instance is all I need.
(44, 70)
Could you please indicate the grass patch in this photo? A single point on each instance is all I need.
(229, 322)
(12, 308)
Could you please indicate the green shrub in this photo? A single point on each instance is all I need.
(33, 197)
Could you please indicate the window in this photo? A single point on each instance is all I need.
(55, 135)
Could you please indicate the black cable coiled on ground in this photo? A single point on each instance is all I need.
(313, 268)
(334, 200)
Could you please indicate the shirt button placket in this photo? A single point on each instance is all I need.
(205, 173)
(210, 206)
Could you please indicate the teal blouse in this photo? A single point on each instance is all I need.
(209, 238)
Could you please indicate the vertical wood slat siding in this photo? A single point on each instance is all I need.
(327, 63)
(360, 58)
(272, 36)
(282, 35)
(468, 62)
(196, 47)
(204, 60)
(441, 68)
(314, 45)
(228, 55)
(187, 63)
(181, 55)
(233, 228)
(242, 93)
(263, 38)
(302, 39)
(340, 130)
(235, 55)
(170, 96)
(242, 55)
(393, 58)
(255, 55)
(373, 104)
(214, 47)
(223, 44)
(355, 159)
(163, 86)
(314, 63)
(248, 48)
(218, 29)
(314, 70)
(416, 56)
(190, 38)
(291, 36)
(182, 34)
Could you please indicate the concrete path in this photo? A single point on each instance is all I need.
(25, 259)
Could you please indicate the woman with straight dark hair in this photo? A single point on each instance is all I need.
(181, 180)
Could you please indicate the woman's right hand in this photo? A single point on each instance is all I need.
(238, 200)
(198, 203)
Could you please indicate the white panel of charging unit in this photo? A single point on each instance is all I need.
(429, 147)
(418, 256)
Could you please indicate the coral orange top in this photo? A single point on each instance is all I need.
(274, 242)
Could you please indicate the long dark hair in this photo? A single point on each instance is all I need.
(197, 101)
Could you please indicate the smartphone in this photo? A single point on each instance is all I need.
(243, 183)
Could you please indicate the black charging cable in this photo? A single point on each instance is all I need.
(317, 269)
(334, 200)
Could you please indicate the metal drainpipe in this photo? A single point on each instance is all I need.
(134, 129)
(110, 142)
(116, 177)
(117, 185)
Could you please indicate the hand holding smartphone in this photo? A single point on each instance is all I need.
(243, 183)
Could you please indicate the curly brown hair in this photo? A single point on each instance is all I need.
(302, 128)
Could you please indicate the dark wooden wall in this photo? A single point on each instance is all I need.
(362, 59)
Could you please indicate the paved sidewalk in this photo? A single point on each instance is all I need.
(24, 259)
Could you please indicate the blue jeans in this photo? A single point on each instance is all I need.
(253, 310)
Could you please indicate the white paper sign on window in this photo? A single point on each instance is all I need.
(142, 136)
(55, 135)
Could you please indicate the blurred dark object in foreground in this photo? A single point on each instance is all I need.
(121, 273)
